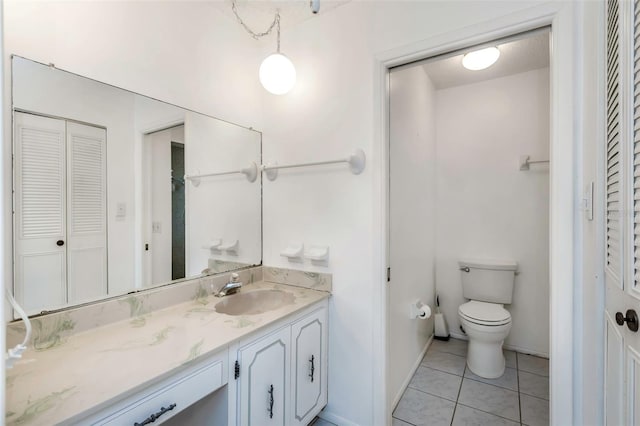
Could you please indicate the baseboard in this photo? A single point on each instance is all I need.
(335, 419)
(459, 336)
(527, 351)
(414, 367)
(515, 348)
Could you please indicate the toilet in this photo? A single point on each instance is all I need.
(489, 286)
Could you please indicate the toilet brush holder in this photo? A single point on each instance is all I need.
(441, 328)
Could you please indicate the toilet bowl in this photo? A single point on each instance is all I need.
(486, 325)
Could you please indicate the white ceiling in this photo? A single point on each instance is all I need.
(525, 54)
(258, 14)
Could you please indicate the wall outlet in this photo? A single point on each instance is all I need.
(156, 227)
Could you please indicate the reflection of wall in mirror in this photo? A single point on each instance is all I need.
(225, 207)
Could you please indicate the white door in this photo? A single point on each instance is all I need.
(308, 346)
(60, 219)
(264, 380)
(40, 206)
(622, 183)
(86, 207)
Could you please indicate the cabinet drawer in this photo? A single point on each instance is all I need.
(182, 392)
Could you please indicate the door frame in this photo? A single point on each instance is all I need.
(565, 248)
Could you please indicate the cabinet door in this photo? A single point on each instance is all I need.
(264, 380)
(309, 352)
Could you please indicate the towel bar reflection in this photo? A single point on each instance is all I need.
(251, 173)
(525, 162)
(356, 161)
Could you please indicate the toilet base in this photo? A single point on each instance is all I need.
(486, 359)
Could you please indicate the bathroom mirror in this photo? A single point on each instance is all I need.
(102, 206)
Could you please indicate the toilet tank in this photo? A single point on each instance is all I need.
(488, 280)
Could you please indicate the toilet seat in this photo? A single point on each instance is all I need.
(484, 313)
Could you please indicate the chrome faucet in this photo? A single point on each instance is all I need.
(231, 287)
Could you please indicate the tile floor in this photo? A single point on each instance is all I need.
(443, 391)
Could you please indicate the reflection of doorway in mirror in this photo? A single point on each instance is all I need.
(60, 204)
(165, 205)
(177, 211)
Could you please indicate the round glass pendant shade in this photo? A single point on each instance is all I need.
(481, 59)
(277, 74)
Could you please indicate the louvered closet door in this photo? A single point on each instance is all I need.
(622, 343)
(40, 179)
(86, 206)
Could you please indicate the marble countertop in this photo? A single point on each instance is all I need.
(96, 366)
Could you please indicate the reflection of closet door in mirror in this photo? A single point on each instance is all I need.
(60, 198)
(40, 228)
(86, 207)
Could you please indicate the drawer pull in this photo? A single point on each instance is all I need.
(313, 367)
(152, 418)
(271, 401)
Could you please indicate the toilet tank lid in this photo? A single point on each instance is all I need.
(500, 265)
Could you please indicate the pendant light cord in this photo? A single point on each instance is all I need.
(275, 24)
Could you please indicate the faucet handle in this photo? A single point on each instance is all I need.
(235, 278)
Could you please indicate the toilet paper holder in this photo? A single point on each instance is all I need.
(419, 310)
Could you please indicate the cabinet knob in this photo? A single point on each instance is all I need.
(630, 317)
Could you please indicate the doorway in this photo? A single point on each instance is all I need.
(164, 206)
(458, 191)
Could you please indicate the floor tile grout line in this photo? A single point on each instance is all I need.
(535, 374)
(518, 381)
(398, 418)
(455, 407)
(488, 412)
(429, 393)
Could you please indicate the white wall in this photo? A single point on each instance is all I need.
(412, 128)
(590, 291)
(329, 113)
(486, 207)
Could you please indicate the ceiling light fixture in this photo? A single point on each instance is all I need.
(480, 59)
(277, 73)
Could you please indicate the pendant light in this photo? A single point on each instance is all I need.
(277, 73)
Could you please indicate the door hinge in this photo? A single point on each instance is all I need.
(388, 274)
(236, 370)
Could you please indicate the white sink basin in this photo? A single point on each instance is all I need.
(254, 302)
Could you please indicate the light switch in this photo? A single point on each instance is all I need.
(588, 200)
(121, 210)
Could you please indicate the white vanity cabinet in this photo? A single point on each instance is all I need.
(309, 375)
(282, 373)
(264, 381)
